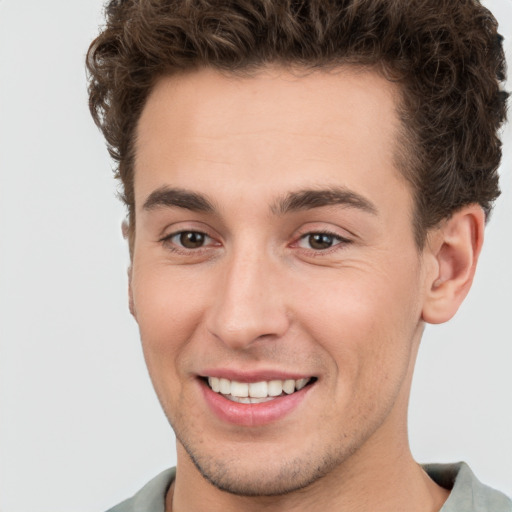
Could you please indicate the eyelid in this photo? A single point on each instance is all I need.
(183, 227)
(174, 234)
(320, 228)
(339, 238)
(340, 243)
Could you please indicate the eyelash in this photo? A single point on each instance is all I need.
(167, 242)
(339, 242)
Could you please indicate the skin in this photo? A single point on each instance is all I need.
(258, 296)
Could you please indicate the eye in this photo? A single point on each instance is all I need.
(189, 239)
(320, 241)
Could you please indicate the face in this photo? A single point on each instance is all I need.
(275, 279)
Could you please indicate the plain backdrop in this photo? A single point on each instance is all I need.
(80, 427)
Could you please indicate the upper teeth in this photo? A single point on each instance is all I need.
(260, 389)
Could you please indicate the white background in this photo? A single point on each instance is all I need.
(80, 426)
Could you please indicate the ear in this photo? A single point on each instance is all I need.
(455, 246)
(130, 293)
(125, 230)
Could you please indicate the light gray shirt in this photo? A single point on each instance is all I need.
(467, 493)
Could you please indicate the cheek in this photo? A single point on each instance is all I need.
(368, 317)
(168, 310)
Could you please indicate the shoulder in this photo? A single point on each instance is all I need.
(468, 494)
(151, 498)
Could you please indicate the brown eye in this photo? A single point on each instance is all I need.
(320, 241)
(191, 239)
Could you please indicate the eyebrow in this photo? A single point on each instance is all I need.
(178, 198)
(300, 200)
(310, 198)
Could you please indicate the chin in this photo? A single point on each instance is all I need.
(255, 476)
(291, 476)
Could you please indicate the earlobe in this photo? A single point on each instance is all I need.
(125, 229)
(456, 247)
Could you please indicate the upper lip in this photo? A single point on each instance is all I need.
(253, 376)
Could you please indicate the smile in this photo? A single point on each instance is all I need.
(256, 392)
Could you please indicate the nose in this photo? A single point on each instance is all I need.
(249, 305)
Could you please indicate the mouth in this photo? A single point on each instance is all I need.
(256, 392)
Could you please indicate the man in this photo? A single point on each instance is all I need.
(307, 185)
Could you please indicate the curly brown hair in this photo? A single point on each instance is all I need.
(446, 55)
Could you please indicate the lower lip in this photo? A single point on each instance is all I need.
(252, 415)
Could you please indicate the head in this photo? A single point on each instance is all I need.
(306, 184)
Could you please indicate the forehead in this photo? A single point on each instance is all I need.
(282, 89)
(270, 132)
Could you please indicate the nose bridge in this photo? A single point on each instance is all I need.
(249, 304)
